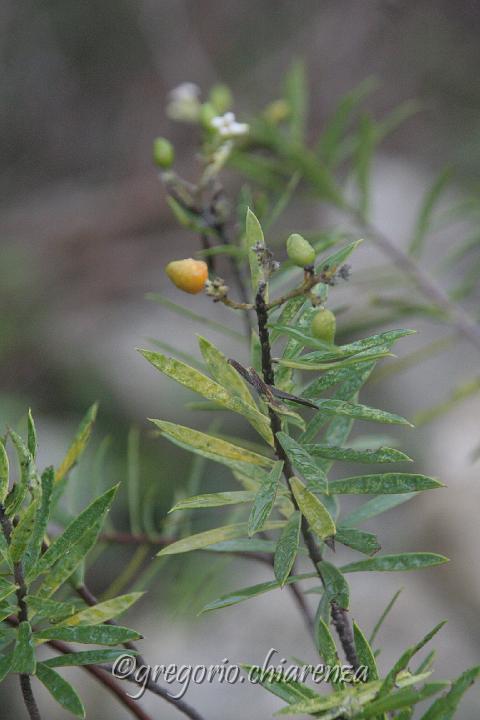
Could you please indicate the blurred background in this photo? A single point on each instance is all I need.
(85, 233)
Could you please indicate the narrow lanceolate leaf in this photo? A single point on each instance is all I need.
(336, 587)
(288, 690)
(4, 472)
(265, 499)
(380, 455)
(86, 657)
(254, 237)
(333, 706)
(22, 532)
(101, 612)
(41, 520)
(396, 563)
(214, 500)
(405, 697)
(95, 634)
(306, 362)
(24, 653)
(223, 372)
(210, 537)
(444, 707)
(333, 262)
(60, 689)
(305, 464)
(359, 412)
(211, 447)
(325, 643)
(27, 470)
(375, 507)
(364, 652)
(385, 484)
(51, 610)
(287, 548)
(31, 434)
(382, 618)
(402, 663)
(202, 385)
(78, 445)
(5, 665)
(429, 203)
(6, 588)
(319, 519)
(239, 596)
(61, 546)
(364, 542)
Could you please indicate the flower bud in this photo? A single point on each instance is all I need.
(188, 275)
(300, 251)
(163, 153)
(207, 113)
(324, 326)
(277, 111)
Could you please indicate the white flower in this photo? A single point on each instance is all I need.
(184, 102)
(227, 126)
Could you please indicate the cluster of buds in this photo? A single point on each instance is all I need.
(216, 289)
(228, 127)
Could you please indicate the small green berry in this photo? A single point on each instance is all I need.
(300, 251)
(324, 326)
(221, 98)
(163, 153)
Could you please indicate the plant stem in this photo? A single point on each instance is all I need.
(22, 590)
(339, 616)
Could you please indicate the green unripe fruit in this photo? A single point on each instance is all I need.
(221, 98)
(300, 251)
(207, 113)
(324, 326)
(163, 153)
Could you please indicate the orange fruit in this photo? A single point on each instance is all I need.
(188, 275)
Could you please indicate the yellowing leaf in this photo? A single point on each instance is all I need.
(211, 537)
(223, 372)
(78, 445)
(103, 611)
(316, 514)
(198, 382)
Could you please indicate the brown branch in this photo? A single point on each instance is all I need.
(339, 616)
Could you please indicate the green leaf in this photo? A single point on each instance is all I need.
(67, 564)
(364, 652)
(214, 500)
(197, 382)
(356, 696)
(382, 617)
(384, 484)
(78, 445)
(23, 660)
(4, 472)
(95, 634)
(325, 642)
(297, 97)
(287, 690)
(211, 447)
(336, 587)
(5, 665)
(27, 470)
(51, 610)
(308, 362)
(444, 707)
(402, 663)
(375, 507)
(338, 258)
(364, 542)
(359, 412)
(254, 237)
(60, 689)
(291, 308)
(223, 372)
(264, 499)
(101, 612)
(195, 317)
(396, 563)
(238, 596)
(429, 203)
(405, 697)
(305, 464)
(379, 455)
(6, 588)
(62, 545)
(41, 521)
(22, 531)
(287, 548)
(86, 657)
(31, 435)
(319, 519)
(210, 537)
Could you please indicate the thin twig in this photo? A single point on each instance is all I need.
(339, 615)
